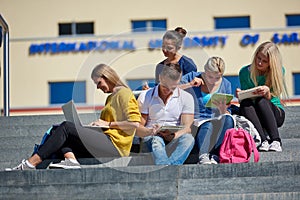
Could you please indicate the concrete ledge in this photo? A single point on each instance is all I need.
(280, 179)
(269, 196)
(276, 176)
(140, 160)
(12, 155)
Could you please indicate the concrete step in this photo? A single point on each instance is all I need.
(15, 148)
(23, 131)
(31, 132)
(142, 160)
(292, 115)
(15, 142)
(269, 180)
(288, 130)
(43, 119)
(276, 176)
(269, 196)
(38, 124)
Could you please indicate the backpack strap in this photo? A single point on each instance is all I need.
(253, 145)
(255, 151)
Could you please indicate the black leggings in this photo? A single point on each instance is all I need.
(83, 142)
(264, 115)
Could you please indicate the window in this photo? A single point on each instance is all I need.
(137, 84)
(62, 92)
(85, 28)
(65, 29)
(139, 26)
(76, 28)
(296, 78)
(235, 82)
(232, 22)
(293, 20)
(148, 25)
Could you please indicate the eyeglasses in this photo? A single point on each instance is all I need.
(168, 47)
(170, 87)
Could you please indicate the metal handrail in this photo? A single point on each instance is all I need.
(6, 66)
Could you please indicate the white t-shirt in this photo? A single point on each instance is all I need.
(180, 102)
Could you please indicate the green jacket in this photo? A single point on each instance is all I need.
(247, 83)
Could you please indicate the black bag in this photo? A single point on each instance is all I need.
(44, 139)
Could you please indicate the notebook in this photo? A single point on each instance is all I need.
(71, 115)
(250, 93)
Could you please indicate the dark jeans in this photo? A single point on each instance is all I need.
(83, 142)
(264, 115)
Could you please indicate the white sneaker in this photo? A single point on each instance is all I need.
(214, 159)
(22, 166)
(264, 146)
(65, 164)
(204, 159)
(275, 146)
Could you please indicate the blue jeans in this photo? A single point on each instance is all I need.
(175, 153)
(210, 134)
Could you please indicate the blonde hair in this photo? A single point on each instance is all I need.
(108, 73)
(274, 77)
(215, 64)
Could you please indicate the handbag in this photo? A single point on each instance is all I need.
(46, 136)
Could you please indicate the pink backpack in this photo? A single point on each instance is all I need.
(237, 147)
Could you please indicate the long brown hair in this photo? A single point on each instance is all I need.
(103, 70)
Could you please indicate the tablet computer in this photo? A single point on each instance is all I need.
(218, 97)
(172, 129)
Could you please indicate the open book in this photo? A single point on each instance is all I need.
(199, 122)
(218, 97)
(250, 93)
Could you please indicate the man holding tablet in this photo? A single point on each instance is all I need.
(167, 116)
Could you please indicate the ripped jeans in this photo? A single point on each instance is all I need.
(174, 153)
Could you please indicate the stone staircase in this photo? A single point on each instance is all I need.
(275, 176)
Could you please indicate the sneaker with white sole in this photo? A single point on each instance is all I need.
(65, 164)
(214, 159)
(204, 159)
(275, 146)
(264, 146)
(22, 166)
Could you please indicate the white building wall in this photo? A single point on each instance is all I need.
(36, 22)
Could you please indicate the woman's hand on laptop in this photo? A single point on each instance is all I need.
(99, 122)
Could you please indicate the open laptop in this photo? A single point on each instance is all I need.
(71, 115)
